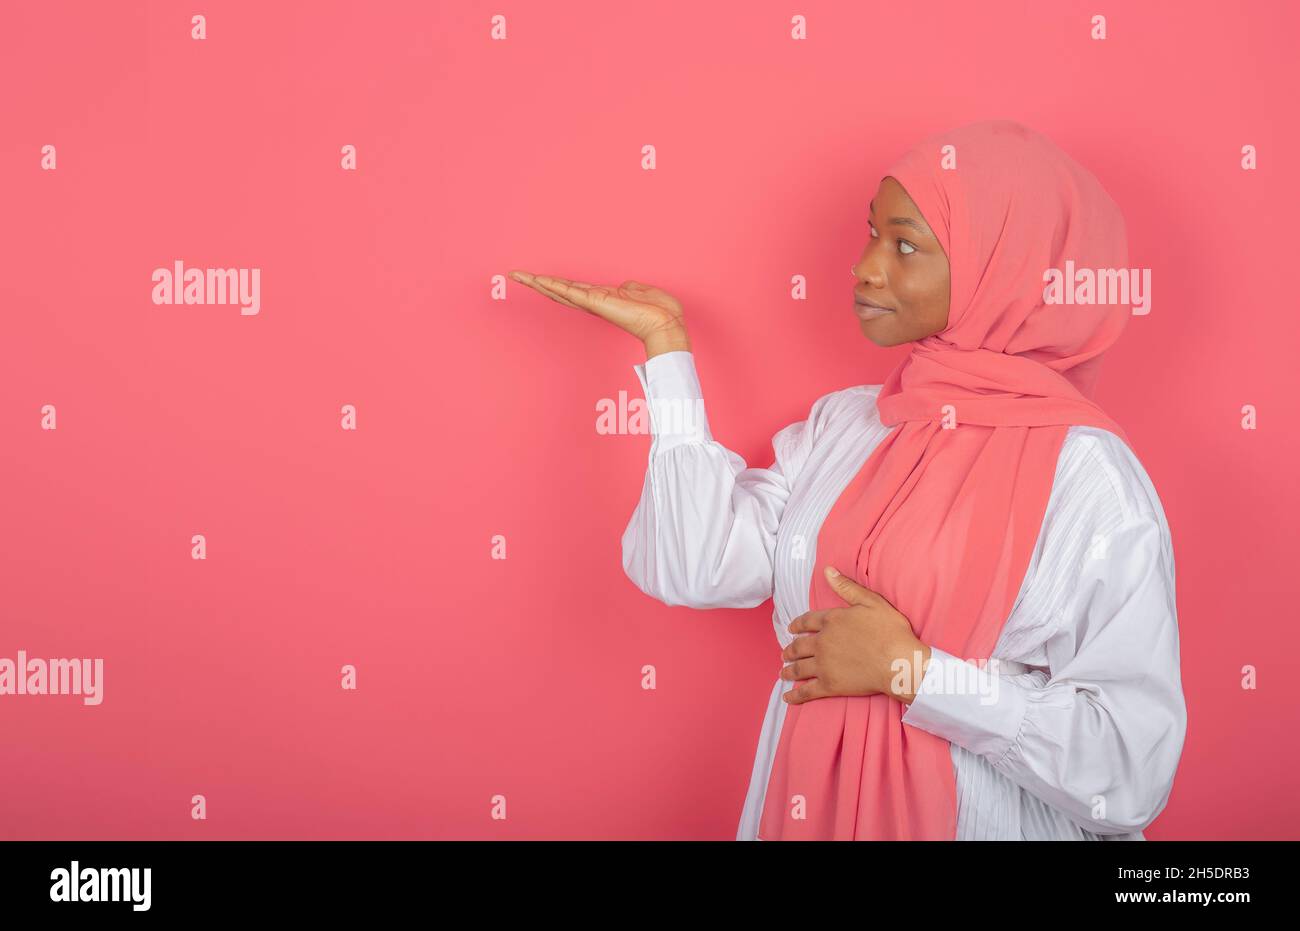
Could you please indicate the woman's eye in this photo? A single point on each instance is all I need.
(901, 243)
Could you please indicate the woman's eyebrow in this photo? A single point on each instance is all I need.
(902, 221)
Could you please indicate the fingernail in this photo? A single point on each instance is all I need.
(832, 572)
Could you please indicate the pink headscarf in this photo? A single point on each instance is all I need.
(942, 521)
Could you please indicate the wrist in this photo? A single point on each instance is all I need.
(662, 341)
(920, 662)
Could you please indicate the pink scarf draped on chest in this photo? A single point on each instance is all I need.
(944, 515)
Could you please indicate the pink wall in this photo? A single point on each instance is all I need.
(476, 416)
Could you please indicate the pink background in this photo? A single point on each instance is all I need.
(477, 416)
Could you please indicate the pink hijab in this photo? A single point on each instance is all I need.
(942, 521)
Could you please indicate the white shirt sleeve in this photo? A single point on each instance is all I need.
(704, 531)
(1099, 734)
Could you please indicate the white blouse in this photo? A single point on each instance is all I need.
(1087, 729)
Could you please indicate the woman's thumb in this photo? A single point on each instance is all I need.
(848, 589)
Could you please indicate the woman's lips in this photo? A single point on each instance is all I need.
(869, 311)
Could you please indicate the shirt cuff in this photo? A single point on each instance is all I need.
(972, 707)
(674, 400)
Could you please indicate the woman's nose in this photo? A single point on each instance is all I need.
(867, 270)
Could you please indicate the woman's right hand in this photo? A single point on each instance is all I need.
(650, 314)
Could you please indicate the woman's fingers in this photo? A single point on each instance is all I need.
(570, 290)
(543, 284)
(546, 285)
(537, 284)
(600, 300)
(640, 309)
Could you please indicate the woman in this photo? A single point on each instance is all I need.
(997, 655)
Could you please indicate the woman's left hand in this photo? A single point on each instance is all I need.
(862, 649)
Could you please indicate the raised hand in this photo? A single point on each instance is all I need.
(650, 314)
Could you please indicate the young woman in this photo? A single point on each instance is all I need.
(989, 646)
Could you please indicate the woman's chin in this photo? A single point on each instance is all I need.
(880, 330)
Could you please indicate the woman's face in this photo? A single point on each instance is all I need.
(903, 270)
